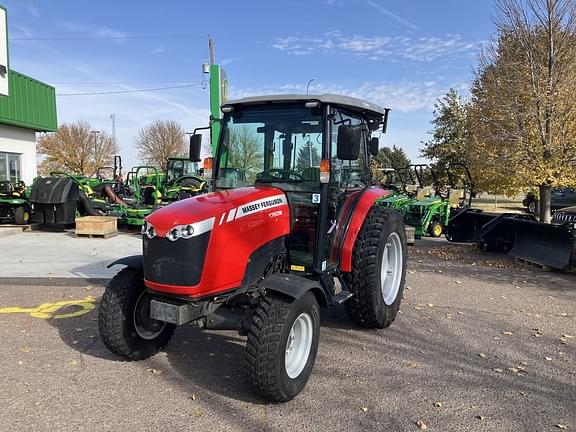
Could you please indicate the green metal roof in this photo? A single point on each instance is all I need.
(31, 104)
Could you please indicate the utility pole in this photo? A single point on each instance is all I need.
(211, 48)
(113, 118)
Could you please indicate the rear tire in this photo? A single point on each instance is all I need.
(378, 269)
(124, 318)
(21, 216)
(282, 345)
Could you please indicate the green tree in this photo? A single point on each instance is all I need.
(523, 108)
(308, 156)
(450, 132)
(387, 157)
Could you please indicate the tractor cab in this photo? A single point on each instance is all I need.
(183, 179)
(314, 149)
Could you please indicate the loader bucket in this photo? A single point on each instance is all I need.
(544, 244)
(466, 225)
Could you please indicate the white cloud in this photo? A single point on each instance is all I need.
(395, 17)
(403, 96)
(33, 10)
(158, 50)
(377, 47)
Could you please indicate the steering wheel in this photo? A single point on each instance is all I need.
(190, 181)
(281, 174)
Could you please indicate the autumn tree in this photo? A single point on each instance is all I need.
(75, 148)
(522, 115)
(159, 141)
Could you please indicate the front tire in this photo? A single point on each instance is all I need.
(378, 269)
(124, 318)
(21, 216)
(282, 345)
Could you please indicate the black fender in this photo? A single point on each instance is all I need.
(294, 286)
(135, 262)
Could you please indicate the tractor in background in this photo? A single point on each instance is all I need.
(14, 203)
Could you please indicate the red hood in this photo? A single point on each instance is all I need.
(222, 204)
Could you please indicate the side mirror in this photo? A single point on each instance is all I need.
(195, 146)
(373, 146)
(348, 142)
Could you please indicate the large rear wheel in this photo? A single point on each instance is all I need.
(282, 345)
(124, 318)
(378, 269)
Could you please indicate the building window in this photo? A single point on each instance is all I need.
(10, 167)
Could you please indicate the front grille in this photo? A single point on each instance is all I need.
(177, 262)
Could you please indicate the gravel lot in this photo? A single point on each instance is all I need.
(480, 345)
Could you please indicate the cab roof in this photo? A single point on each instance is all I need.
(351, 103)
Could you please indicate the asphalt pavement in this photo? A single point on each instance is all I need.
(479, 345)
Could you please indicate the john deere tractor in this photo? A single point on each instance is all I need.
(288, 227)
(14, 204)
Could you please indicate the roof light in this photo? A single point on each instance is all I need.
(324, 171)
(312, 104)
(227, 108)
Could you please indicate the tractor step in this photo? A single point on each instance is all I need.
(341, 297)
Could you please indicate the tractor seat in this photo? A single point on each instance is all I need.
(455, 197)
(148, 195)
(411, 188)
(6, 188)
(423, 193)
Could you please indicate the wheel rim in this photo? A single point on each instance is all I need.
(391, 270)
(437, 230)
(146, 327)
(26, 216)
(298, 345)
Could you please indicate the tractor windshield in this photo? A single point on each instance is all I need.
(180, 168)
(271, 144)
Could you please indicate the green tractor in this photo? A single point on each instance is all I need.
(151, 188)
(401, 183)
(14, 204)
(432, 209)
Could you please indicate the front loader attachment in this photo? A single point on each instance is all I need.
(544, 244)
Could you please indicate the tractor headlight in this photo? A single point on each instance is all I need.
(148, 230)
(187, 231)
(173, 234)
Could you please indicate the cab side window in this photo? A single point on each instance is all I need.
(348, 174)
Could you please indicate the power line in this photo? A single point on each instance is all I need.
(175, 82)
(126, 91)
(65, 38)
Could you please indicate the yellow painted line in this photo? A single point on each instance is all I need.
(50, 310)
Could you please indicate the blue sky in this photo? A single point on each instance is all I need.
(399, 54)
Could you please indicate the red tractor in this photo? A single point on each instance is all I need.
(292, 223)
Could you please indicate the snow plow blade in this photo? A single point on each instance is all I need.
(544, 244)
(465, 225)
